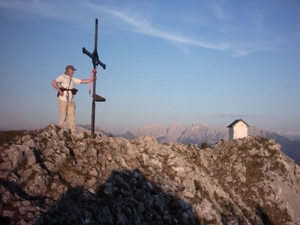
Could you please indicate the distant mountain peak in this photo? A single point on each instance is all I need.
(199, 133)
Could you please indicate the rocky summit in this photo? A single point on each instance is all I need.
(51, 177)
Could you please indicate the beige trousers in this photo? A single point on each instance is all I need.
(67, 110)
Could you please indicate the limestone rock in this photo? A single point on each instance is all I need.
(51, 177)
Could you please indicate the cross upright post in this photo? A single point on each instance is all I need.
(95, 60)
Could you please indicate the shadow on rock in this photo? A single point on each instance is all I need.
(126, 197)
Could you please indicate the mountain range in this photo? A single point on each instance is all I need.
(199, 133)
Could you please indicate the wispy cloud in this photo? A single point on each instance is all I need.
(143, 26)
(130, 20)
(246, 48)
(136, 21)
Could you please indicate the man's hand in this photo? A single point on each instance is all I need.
(54, 84)
(94, 77)
(61, 93)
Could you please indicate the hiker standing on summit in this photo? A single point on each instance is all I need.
(65, 84)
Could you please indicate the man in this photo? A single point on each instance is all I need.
(66, 92)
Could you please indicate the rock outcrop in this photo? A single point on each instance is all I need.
(51, 177)
(199, 134)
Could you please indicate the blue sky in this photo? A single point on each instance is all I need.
(208, 62)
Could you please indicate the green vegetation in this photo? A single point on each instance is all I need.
(45, 141)
(9, 137)
(146, 150)
(204, 145)
(86, 135)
